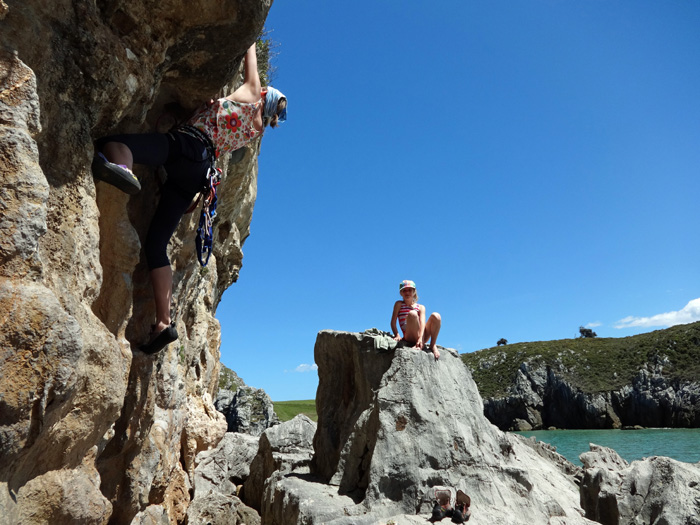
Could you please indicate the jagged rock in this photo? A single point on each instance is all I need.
(541, 394)
(654, 490)
(229, 380)
(285, 448)
(214, 508)
(88, 425)
(248, 410)
(152, 515)
(394, 424)
(228, 465)
(61, 496)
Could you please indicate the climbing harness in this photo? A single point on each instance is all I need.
(205, 232)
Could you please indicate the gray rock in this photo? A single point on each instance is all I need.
(655, 490)
(393, 425)
(285, 448)
(248, 410)
(225, 467)
(214, 508)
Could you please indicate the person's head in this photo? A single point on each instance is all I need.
(275, 108)
(408, 291)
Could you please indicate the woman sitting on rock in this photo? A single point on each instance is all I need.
(188, 154)
(411, 318)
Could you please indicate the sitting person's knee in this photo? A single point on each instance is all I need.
(436, 316)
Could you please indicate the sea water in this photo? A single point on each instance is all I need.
(682, 444)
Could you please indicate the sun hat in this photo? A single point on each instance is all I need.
(406, 284)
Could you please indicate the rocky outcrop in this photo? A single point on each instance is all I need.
(654, 490)
(248, 410)
(90, 429)
(541, 397)
(219, 473)
(392, 424)
(660, 388)
(240, 458)
(284, 449)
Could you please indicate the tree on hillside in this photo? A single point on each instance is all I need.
(586, 332)
(502, 341)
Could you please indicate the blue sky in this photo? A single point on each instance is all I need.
(533, 165)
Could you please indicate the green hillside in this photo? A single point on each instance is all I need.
(286, 410)
(592, 364)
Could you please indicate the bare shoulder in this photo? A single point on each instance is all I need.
(245, 95)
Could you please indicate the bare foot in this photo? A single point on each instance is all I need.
(436, 352)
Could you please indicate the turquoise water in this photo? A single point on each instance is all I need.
(682, 444)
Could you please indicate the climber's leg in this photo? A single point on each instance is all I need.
(115, 156)
(151, 149)
(118, 153)
(162, 283)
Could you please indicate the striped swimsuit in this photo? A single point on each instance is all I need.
(403, 314)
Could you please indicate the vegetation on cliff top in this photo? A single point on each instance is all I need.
(592, 364)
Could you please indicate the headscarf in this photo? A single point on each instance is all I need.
(271, 100)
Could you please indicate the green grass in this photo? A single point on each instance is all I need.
(592, 365)
(286, 410)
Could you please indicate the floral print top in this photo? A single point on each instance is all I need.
(229, 124)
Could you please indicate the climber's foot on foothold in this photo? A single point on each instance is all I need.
(118, 175)
(160, 341)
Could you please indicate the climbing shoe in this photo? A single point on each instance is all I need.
(117, 175)
(163, 339)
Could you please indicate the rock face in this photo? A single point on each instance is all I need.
(248, 410)
(283, 449)
(654, 490)
(393, 424)
(541, 398)
(661, 386)
(218, 474)
(90, 429)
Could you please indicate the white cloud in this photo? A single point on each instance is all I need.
(596, 324)
(306, 368)
(689, 314)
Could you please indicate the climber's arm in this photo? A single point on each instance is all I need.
(250, 90)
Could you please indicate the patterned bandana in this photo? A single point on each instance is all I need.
(271, 99)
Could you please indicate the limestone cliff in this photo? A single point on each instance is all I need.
(649, 380)
(393, 424)
(92, 431)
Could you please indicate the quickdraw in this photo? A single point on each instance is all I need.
(205, 233)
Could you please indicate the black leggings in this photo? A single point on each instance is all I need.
(186, 162)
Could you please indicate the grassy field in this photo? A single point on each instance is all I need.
(286, 410)
(593, 365)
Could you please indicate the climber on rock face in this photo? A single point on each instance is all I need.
(188, 154)
(411, 318)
